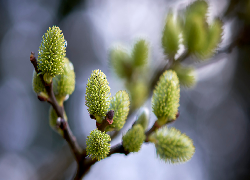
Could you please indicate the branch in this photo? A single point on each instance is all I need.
(62, 124)
(152, 83)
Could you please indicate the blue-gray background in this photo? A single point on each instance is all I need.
(215, 113)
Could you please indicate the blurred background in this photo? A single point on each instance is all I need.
(215, 113)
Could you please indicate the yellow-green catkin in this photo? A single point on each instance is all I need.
(195, 28)
(138, 93)
(64, 84)
(97, 97)
(166, 97)
(53, 120)
(199, 7)
(119, 103)
(170, 36)
(213, 38)
(98, 145)
(186, 75)
(143, 118)
(38, 86)
(140, 53)
(134, 138)
(195, 35)
(172, 146)
(121, 62)
(51, 53)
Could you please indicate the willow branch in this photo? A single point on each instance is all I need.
(67, 133)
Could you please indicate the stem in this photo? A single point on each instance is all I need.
(67, 135)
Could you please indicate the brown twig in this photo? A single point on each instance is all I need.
(107, 121)
(62, 124)
(84, 163)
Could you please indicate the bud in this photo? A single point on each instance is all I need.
(138, 92)
(38, 86)
(120, 105)
(166, 97)
(140, 53)
(186, 75)
(194, 35)
(213, 38)
(121, 62)
(53, 120)
(64, 84)
(134, 138)
(98, 145)
(97, 95)
(47, 78)
(51, 52)
(172, 146)
(143, 118)
(170, 36)
(199, 7)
